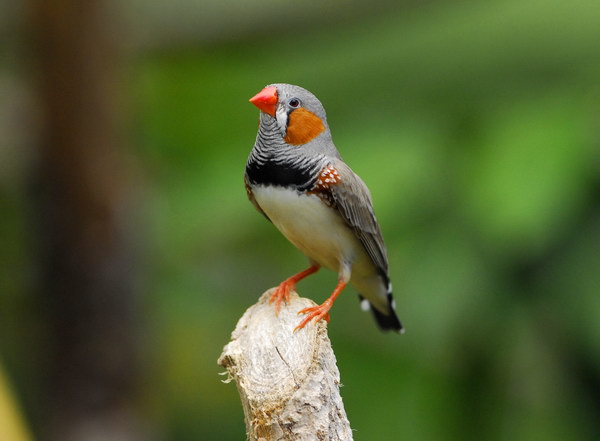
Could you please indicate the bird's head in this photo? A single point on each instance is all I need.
(300, 117)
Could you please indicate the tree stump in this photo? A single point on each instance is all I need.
(288, 381)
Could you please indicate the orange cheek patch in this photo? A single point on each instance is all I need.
(303, 127)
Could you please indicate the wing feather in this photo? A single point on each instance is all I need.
(352, 199)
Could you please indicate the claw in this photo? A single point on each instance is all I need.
(282, 294)
(314, 312)
(321, 311)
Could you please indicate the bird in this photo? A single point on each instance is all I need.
(297, 179)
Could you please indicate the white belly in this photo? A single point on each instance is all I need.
(321, 234)
(314, 228)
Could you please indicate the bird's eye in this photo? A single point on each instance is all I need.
(294, 103)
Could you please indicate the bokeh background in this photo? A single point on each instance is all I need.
(128, 248)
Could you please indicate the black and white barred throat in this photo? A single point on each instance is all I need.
(273, 162)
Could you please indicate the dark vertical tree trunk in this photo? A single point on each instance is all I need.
(83, 205)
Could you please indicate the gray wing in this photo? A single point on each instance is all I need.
(351, 197)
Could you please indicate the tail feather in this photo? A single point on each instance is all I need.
(386, 322)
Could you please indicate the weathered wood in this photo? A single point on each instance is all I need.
(288, 381)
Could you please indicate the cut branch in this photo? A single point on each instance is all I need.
(288, 381)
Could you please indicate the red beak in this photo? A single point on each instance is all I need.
(266, 100)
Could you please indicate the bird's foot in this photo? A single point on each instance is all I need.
(315, 312)
(282, 293)
(321, 311)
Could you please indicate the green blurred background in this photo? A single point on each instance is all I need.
(475, 125)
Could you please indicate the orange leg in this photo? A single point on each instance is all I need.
(282, 292)
(321, 311)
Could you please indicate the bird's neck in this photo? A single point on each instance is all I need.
(274, 162)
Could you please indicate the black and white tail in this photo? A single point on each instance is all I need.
(386, 322)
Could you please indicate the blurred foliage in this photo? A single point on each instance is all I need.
(12, 427)
(475, 125)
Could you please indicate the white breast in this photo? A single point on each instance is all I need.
(314, 228)
(321, 234)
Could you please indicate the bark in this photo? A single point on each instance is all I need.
(288, 381)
